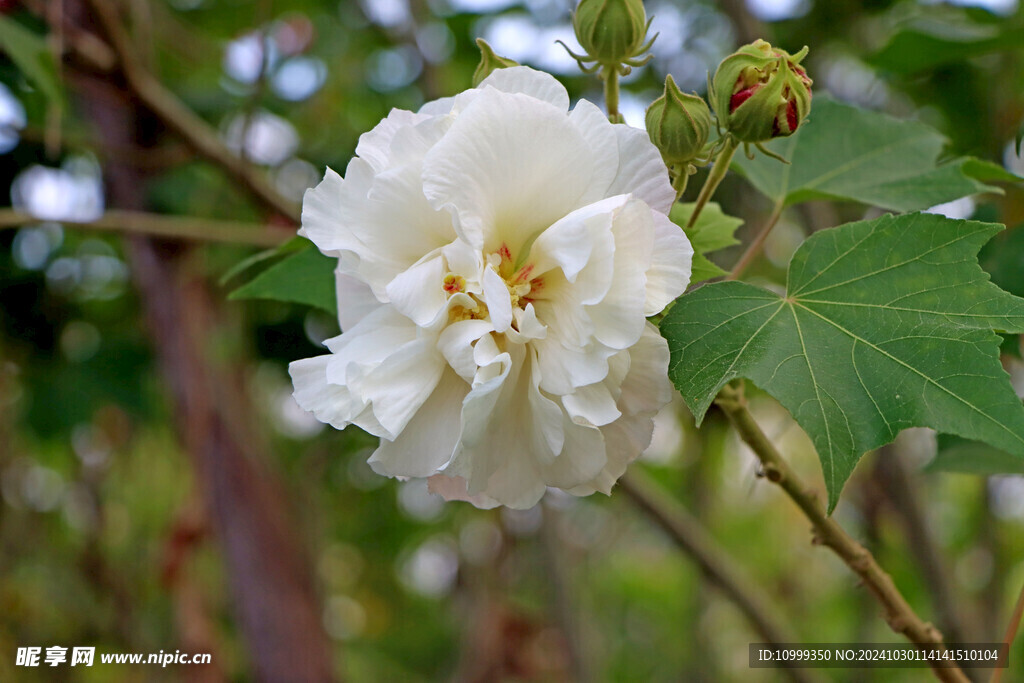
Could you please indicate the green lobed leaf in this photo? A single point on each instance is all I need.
(885, 324)
(964, 456)
(714, 230)
(1003, 259)
(305, 277)
(31, 55)
(848, 153)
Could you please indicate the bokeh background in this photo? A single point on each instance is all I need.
(161, 490)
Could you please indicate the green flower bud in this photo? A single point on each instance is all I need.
(489, 61)
(678, 124)
(611, 31)
(760, 92)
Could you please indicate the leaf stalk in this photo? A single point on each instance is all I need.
(755, 247)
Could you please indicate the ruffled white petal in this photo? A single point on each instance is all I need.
(546, 421)
(369, 342)
(619, 318)
(504, 438)
(641, 171)
(528, 326)
(599, 132)
(671, 265)
(509, 167)
(330, 403)
(417, 293)
(428, 441)
(382, 221)
(565, 367)
(591, 406)
(625, 440)
(517, 80)
(582, 458)
(322, 204)
(498, 300)
(456, 345)
(384, 363)
(526, 81)
(375, 145)
(394, 222)
(355, 300)
(438, 107)
(644, 391)
(570, 243)
(398, 387)
(411, 143)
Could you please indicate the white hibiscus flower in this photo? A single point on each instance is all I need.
(497, 257)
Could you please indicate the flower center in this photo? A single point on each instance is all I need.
(523, 288)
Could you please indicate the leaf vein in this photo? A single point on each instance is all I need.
(914, 370)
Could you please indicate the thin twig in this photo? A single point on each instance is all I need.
(84, 46)
(693, 539)
(898, 613)
(183, 121)
(901, 491)
(174, 227)
(755, 247)
(1011, 631)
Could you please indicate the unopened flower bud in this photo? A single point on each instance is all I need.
(760, 92)
(678, 124)
(489, 62)
(611, 31)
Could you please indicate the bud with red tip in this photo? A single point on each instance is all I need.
(760, 92)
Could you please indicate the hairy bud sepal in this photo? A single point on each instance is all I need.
(678, 124)
(613, 34)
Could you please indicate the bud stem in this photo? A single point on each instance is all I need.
(718, 172)
(680, 179)
(611, 93)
